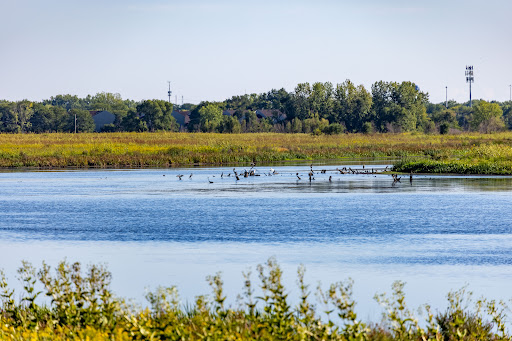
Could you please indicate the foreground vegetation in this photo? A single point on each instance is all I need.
(81, 306)
(463, 153)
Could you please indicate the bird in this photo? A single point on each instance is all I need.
(298, 177)
(190, 176)
(210, 181)
(330, 178)
(222, 175)
(179, 176)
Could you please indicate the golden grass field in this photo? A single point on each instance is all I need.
(163, 149)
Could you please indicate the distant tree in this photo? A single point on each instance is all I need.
(15, 116)
(43, 119)
(296, 126)
(321, 100)
(230, 124)
(132, 122)
(487, 117)
(334, 128)
(399, 106)
(352, 106)
(157, 115)
(447, 117)
(84, 121)
(68, 102)
(301, 101)
(507, 113)
(5, 115)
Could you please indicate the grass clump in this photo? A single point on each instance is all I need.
(479, 159)
(81, 306)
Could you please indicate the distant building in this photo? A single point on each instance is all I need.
(275, 114)
(101, 118)
(228, 112)
(182, 117)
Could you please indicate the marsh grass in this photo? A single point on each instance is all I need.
(164, 149)
(81, 306)
(486, 158)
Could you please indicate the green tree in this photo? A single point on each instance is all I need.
(507, 113)
(301, 101)
(487, 117)
(84, 121)
(16, 116)
(210, 117)
(399, 107)
(5, 115)
(68, 102)
(157, 115)
(446, 117)
(132, 122)
(353, 106)
(230, 124)
(321, 100)
(43, 119)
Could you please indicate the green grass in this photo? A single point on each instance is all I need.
(464, 153)
(81, 306)
(488, 158)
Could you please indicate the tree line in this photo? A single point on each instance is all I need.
(319, 108)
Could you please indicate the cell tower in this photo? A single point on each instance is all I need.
(469, 79)
(169, 93)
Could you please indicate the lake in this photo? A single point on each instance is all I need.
(437, 233)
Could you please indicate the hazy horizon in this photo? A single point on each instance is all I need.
(212, 50)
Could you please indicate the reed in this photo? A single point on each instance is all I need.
(81, 306)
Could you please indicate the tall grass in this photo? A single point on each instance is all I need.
(465, 153)
(81, 306)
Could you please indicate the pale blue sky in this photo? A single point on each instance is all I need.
(212, 50)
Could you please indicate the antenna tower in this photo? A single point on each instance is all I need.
(469, 79)
(169, 93)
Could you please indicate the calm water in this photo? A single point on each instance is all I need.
(436, 233)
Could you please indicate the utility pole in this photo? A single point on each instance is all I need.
(181, 100)
(469, 79)
(169, 92)
(446, 103)
(75, 122)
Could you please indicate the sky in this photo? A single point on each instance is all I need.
(212, 50)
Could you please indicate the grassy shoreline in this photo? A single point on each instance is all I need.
(464, 153)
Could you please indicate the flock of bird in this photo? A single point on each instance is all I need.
(311, 174)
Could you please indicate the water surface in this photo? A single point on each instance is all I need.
(436, 233)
